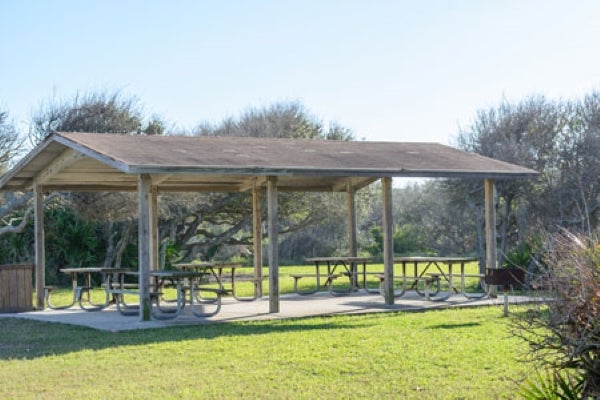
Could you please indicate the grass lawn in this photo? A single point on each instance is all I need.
(449, 354)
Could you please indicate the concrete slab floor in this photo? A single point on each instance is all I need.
(291, 306)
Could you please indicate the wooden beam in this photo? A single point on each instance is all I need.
(82, 178)
(199, 187)
(65, 159)
(388, 242)
(154, 228)
(251, 183)
(144, 245)
(257, 238)
(490, 224)
(87, 151)
(364, 182)
(99, 187)
(40, 247)
(157, 179)
(341, 185)
(273, 232)
(351, 208)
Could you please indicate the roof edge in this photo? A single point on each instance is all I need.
(25, 160)
(83, 149)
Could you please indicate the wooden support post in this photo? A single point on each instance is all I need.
(490, 224)
(154, 228)
(273, 231)
(257, 239)
(388, 242)
(40, 247)
(351, 206)
(490, 229)
(144, 245)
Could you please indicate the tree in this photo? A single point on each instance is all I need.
(216, 220)
(524, 134)
(11, 145)
(575, 188)
(281, 120)
(104, 113)
(10, 141)
(96, 112)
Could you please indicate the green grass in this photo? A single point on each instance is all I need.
(450, 354)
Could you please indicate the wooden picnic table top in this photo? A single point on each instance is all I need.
(216, 264)
(436, 259)
(94, 269)
(341, 258)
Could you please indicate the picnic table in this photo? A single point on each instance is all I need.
(336, 267)
(216, 269)
(81, 292)
(183, 281)
(432, 273)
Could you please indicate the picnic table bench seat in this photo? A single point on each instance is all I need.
(427, 280)
(78, 297)
(298, 276)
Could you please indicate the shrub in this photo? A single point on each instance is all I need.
(564, 333)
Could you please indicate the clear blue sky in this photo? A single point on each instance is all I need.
(388, 70)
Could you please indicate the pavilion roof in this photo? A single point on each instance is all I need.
(112, 162)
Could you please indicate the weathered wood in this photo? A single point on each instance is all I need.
(144, 245)
(252, 183)
(273, 232)
(388, 242)
(257, 238)
(92, 188)
(40, 247)
(351, 208)
(85, 150)
(157, 179)
(490, 224)
(81, 177)
(154, 228)
(68, 157)
(328, 164)
(15, 288)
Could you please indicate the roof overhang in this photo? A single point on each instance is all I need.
(106, 162)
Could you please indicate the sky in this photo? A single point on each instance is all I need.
(388, 70)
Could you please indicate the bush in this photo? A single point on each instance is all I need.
(564, 334)
(408, 240)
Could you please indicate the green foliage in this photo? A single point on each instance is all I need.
(557, 385)
(522, 254)
(375, 248)
(564, 339)
(407, 238)
(16, 247)
(70, 241)
(172, 254)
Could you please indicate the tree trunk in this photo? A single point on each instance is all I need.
(110, 232)
(123, 242)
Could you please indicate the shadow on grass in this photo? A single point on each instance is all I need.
(28, 339)
(454, 326)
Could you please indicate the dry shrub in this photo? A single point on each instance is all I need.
(564, 332)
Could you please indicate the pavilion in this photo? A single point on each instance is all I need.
(81, 162)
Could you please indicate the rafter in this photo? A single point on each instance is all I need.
(65, 159)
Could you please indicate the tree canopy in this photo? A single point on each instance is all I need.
(558, 138)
